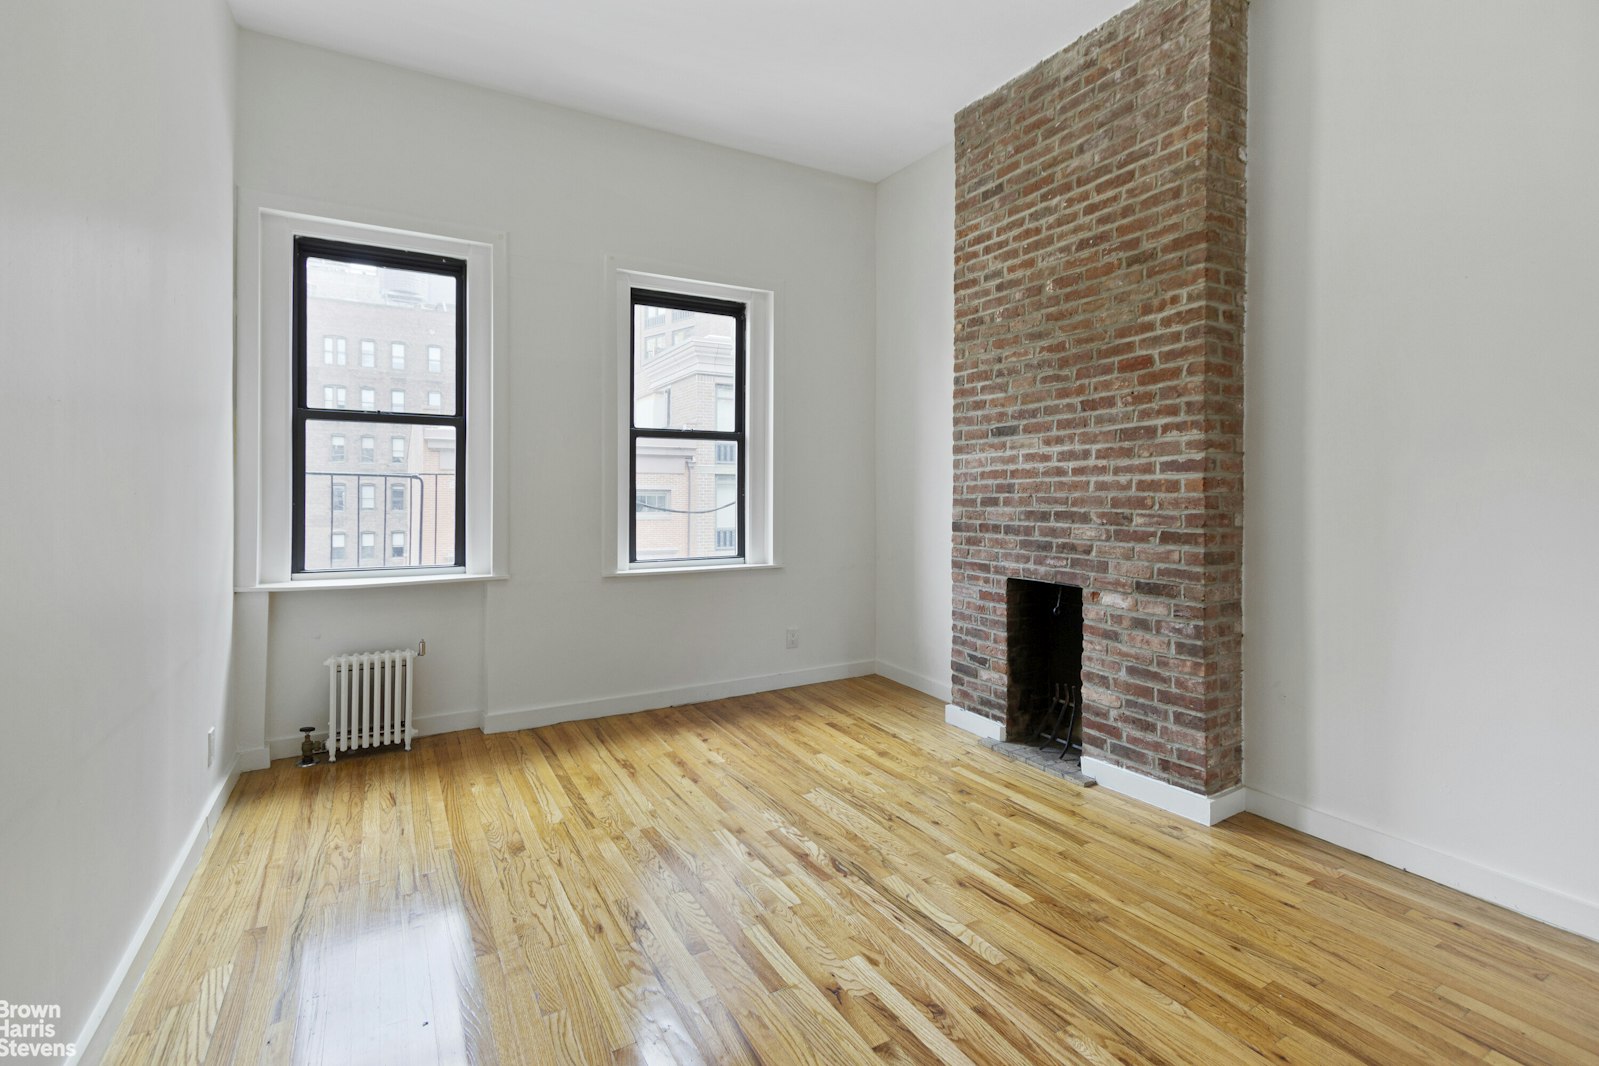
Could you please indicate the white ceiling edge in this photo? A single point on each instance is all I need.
(859, 88)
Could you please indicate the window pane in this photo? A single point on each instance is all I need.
(404, 486)
(402, 311)
(685, 501)
(677, 368)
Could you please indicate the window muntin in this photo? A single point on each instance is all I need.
(385, 291)
(683, 441)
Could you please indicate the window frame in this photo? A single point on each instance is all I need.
(759, 506)
(307, 247)
(679, 301)
(266, 223)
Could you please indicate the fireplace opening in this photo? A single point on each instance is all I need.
(1044, 657)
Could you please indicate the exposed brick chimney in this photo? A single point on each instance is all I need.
(1099, 298)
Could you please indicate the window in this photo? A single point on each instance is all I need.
(369, 545)
(674, 453)
(305, 277)
(333, 396)
(336, 448)
(369, 353)
(336, 547)
(333, 352)
(397, 544)
(435, 398)
(367, 280)
(726, 513)
(396, 497)
(693, 482)
(338, 495)
(652, 502)
(435, 359)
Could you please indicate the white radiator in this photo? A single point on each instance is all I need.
(369, 700)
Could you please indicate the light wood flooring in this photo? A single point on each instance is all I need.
(826, 874)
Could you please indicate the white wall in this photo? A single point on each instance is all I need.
(1422, 499)
(558, 640)
(915, 416)
(116, 162)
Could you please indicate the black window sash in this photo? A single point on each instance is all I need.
(684, 302)
(343, 251)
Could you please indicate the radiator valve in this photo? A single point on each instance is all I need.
(308, 746)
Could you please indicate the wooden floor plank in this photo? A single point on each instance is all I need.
(826, 874)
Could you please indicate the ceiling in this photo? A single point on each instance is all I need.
(856, 87)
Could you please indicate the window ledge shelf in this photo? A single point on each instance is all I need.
(311, 584)
(731, 568)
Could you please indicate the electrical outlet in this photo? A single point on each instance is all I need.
(791, 638)
(210, 745)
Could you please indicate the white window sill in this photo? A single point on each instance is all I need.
(708, 568)
(310, 584)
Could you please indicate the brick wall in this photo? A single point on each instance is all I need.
(1099, 289)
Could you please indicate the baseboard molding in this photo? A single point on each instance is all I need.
(1206, 810)
(939, 690)
(551, 713)
(1546, 904)
(95, 1037)
(426, 726)
(972, 722)
(254, 759)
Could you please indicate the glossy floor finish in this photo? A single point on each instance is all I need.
(827, 874)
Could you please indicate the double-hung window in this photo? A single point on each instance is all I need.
(362, 282)
(345, 327)
(686, 447)
(692, 487)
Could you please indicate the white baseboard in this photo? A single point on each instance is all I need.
(1206, 810)
(254, 759)
(95, 1037)
(973, 722)
(551, 713)
(939, 690)
(1557, 908)
(426, 726)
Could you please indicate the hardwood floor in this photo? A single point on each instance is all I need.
(827, 874)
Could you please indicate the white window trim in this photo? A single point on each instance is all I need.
(263, 511)
(761, 521)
